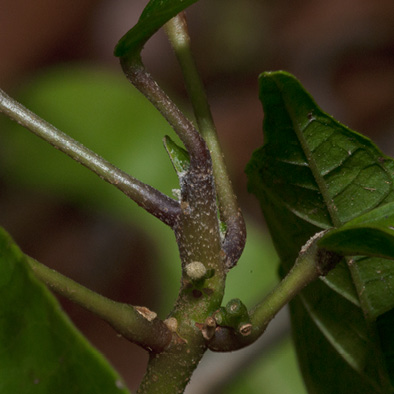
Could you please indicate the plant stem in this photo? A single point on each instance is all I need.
(311, 263)
(143, 81)
(198, 237)
(136, 324)
(303, 272)
(156, 203)
(234, 243)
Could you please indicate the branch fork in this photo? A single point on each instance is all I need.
(205, 191)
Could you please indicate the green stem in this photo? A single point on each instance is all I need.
(156, 203)
(303, 272)
(311, 263)
(230, 213)
(137, 324)
(169, 372)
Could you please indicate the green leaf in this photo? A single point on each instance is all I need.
(371, 234)
(40, 350)
(179, 157)
(154, 16)
(313, 173)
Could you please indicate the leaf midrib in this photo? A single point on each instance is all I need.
(322, 186)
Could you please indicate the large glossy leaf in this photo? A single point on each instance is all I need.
(154, 16)
(40, 350)
(311, 174)
(371, 234)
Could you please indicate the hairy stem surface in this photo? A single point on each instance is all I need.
(143, 81)
(198, 237)
(230, 213)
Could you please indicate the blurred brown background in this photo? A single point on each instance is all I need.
(342, 51)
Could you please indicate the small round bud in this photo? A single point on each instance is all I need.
(195, 270)
(208, 330)
(220, 316)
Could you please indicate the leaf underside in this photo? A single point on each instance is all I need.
(313, 173)
(371, 234)
(40, 350)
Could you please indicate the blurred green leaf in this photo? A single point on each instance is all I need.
(314, 173)
(154, 16)
(40, 349)
(371, 234)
